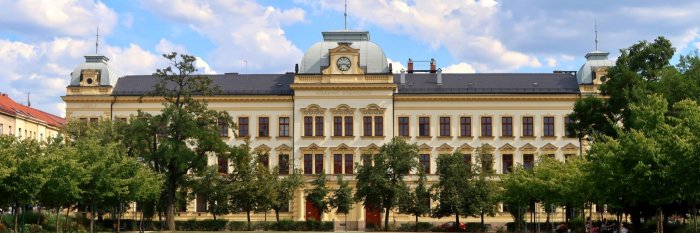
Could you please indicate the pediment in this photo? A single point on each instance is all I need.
(344, 47)
(283, 147)
(262, 149)
(445, 148)
(507, 147)
(372, 109)
(549, 147)
(528, 147)
(487, 147)
(570, 147)
(312, 147)
(342, 146)
(313, 109)
(425, 147)
(342, 109)
(465, 148)
(371, 147)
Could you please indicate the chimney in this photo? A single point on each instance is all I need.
(439, 77)
(410, 66)
(433, 64)
(403, 76)
(296, 68)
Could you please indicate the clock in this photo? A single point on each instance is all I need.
(343, 63)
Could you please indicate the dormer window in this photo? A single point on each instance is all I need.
(90, 77)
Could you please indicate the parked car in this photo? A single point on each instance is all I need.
(451, 226)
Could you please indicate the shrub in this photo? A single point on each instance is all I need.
(476, 227)
(416, 227)
(201, 225)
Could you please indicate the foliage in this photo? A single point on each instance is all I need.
(185, 132)
(412, 201)
(454, 191)
(213, 187)
(379, 183)
(318, 195)
(342, 198)
(284, 189)
(246, 195)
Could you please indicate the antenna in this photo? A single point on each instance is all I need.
(346, 14)
(595, 25)
(97, 39)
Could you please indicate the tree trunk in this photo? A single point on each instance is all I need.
(277, 215)
(38, 217)
(58, 212)
(16, 211)
(214, 216)
(170, 205)
(660, 221)
(92, 217)
(482, 221)
(65, 221)
(414, 227)
(119, 218)
(386, 219)
(247, 214)
(457, 222)
(695, 218)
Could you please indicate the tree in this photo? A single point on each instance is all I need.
(342, 199)
(284, 189)
(184, 134)
(380, 181)
(413, 201)
(485, 188)
(265, 187)
(215, 188)
(246, 192)
(26, 175)
(454, 193)
(318, 195)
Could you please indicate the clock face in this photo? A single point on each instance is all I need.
(343, 63)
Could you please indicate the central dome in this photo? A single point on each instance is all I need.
(372, 58)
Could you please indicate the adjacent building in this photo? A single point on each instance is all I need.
(24, 121)
(343, 100)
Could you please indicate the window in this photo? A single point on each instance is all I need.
(122, 119)
(465, 126)
(568, 122)
(93, 120)
(507, 163)
(548, 126)
(444, 126)
(349, 164)
(551, 156)
(1, 127)
(9, 130)
(486, 127)
(308, 164)
(263, 127)
(424, 160)
(222, 164)
(367, 125)
(243, 127)
(507, 126)
(337, 164)
(318, 163)
(264, 160)
(528, 127)
(319, 126)
(337, 126)
(378, 126)
(467, 159)
(284, 164)
(308, 126)
(223, 127)
(528, 161)
(348, 126)
(366, 159)
(403, 126)
(568, 157)
(284, 127)
(424, 126)
(19, 133)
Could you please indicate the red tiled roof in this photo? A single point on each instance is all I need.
(11, 107)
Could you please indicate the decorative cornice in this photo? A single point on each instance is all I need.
(528, 147)
(262, 149)
(370, 148)
(570, 147)
(313, 147)
(466, 148)
(549, 147)
(343, 109)
(425, 147)
(507, 147)
(372, 109)
(343, 86)
(445, 148)
(283, 147)
(313, 109)
(490, 97)
(342, 147)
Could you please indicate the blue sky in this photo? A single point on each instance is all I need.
(42, 41)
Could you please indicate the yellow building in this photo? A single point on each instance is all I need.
(343, 99)
(27, 122)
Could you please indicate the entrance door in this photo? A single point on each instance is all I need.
(373, 218)
(312, 212)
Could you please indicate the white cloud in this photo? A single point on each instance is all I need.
(459, 68)
(42, 18)
(203, 67)
(165, 46)
(463, 27)
(551, 62)
(239, 30)
(43, 68)
(396, 66)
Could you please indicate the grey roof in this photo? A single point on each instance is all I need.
(230, 84)
(523, 83)
(94, 62)
(278, 84)
(594, 60)
(372, 57)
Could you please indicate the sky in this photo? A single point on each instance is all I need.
(41, 41)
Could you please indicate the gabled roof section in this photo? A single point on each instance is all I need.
(488, 83)
(10, 107)
(231, 84)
